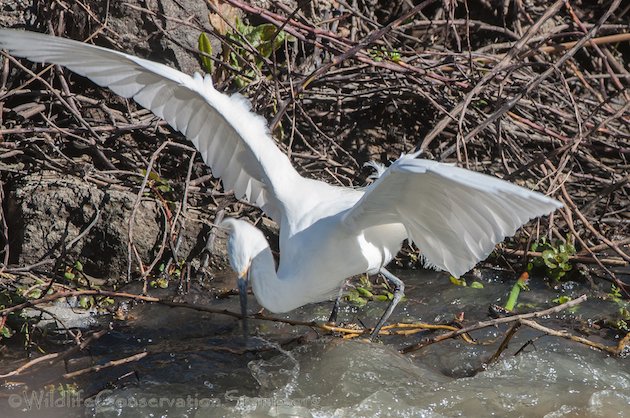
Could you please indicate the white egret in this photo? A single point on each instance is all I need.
(327, 233)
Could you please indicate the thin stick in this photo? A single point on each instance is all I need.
(564, 334)
(55, 357)
(112, 363)
(504, 344)
(602, 40)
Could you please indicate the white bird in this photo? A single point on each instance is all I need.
(327, 233)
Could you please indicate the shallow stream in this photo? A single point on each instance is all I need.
(198, 365)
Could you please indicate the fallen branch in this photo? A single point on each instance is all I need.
(492, 323)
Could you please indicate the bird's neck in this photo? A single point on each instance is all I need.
(272, 292)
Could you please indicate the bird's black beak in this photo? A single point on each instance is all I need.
(243, 281)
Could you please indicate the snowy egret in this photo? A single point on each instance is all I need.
(327, 233)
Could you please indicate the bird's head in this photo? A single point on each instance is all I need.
(245, 243)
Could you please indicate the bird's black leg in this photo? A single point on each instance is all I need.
(335, 310)
(399, 291)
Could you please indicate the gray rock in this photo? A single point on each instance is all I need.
(48, 211)
(15, 12)
(165, 31)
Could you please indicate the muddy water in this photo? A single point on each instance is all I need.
(199, 366)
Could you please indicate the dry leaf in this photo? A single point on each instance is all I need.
(225, 13)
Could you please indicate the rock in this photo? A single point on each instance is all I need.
(48, 211)
(15, 12)
(165, 31)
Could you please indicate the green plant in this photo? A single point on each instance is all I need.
(554, 257)
(381, 53)
(205, 47)
(365, 291)
(622, 322)
(264, 39)
(521, 284)
(17, 323)
(74, 274)
(462, 282)
(161, 282)
(615, 294)
(158, 183)
(5, 331)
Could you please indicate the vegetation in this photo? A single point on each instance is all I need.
(554, 258)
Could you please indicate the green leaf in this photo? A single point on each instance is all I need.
(205, 46)
(268, 32)
(561, 299)
(354, 298)
(241, 27)
(6, 332)
(396, 57)
(562, 257)
(165, 188)
(86, 302)
(78, 266)
(476, 285)
(68, 275)
(365, 281)
(549, 259)
(154, 176)
(364, 292)
(457, 282)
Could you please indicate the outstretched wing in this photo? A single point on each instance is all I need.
(455, 216)
(233, 141)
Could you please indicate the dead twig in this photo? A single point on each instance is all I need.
(56, 357)
(504, 344)
(112, 363)
(566, 335)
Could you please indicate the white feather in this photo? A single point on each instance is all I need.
(455, 216)
(191, 105)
